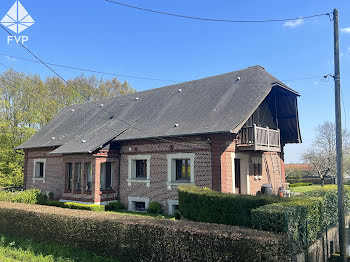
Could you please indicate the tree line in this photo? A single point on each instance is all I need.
(28, 102)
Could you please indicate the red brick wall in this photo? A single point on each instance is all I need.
(53, 171)
(158, 190)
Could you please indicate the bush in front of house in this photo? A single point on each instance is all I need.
(205, 205)
(134, 238)
(303, 217)
(114, 206)
(73, 205)
(155, 208)
(300, 217)
(31, 196)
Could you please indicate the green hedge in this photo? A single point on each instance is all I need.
(300, 184)
(304, 217)
(299, 217)
(32, 196)
(205, 205)
(134, 238)
(73, 205)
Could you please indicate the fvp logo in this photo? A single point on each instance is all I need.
(17, 20)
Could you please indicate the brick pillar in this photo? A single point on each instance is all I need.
(95, 190)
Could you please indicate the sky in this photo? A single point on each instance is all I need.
(103, 36)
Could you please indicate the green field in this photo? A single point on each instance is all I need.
(18, 249)
(303, 189)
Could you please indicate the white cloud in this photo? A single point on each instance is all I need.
(345, 30)
(293, 23)
(10, 58)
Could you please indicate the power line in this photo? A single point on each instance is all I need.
(137, 77)
(91, 71)
(111, 115)
(217, 20)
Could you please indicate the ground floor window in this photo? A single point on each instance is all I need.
(88, 176)
(139, 206)
(39, 168)
(106, 176)
(78, 175)
(183, 169)
(69, 176)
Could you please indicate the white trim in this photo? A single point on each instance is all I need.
(39, 160)
(171, 204)
(137, 199)
(244, 172)
(132, 169)
(172, 168)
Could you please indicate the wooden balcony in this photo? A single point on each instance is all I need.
(259, 139)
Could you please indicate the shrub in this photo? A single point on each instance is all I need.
(209, 206)
(133, 238)
(300, 184)
(298, 217)
(73, 205)
(155, 208)
(32, 196)
(114, 206)
(304, 217)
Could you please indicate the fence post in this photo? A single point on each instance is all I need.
(306, 242)
(327, 243)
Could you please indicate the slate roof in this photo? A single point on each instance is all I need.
(214, 104)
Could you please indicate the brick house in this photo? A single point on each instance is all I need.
(225, 132)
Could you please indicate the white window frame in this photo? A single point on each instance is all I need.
(171, 204)
(257, 160)
(172, 169)
(132, 169)
(131, 201)
(39, 160)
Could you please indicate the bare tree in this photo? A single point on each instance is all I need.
(322, 154)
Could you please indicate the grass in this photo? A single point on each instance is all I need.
(145, 214)
(303, 189)
(13, 249)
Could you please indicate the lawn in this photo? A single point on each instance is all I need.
(303, 189)
(13, 249)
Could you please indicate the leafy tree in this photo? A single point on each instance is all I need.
(27, 103)
(322, 154)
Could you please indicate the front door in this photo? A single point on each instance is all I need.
(238, 176)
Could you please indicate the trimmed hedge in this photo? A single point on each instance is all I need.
(304, 217)
(133, 238)
(32, 196)
(206, 205)
(73, 205)
(155, 208)
(299, 217)
(300, 184)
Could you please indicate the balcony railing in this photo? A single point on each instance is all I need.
(260, 138)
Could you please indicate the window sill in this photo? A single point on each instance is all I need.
(134, 180)
(38, 179)
(102, 192)
(178, 183)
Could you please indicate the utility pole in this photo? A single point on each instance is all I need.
(341, 214)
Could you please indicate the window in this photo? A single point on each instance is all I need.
(173, 205)
(180, 169)
(139, 206)
(78, 175)
(139, 169)
(69, 176)
(39, 169)
(106, 176)
(183, 169)
(138, 203)
(88, 176)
